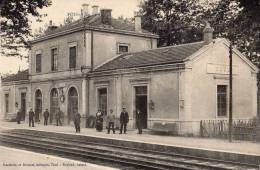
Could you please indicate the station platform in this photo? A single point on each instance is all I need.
(245, 150)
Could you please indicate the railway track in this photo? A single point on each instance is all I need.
(109, 154)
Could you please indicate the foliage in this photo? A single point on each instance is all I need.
(15, 28)
(174, 21)
(181, 21)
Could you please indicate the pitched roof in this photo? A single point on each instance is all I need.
(159, 56)
(21, 75)
(95, 21)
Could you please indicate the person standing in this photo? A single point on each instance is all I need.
(77, 122)
(31, 118)
(46, 115)
(124, 118)
(18, 116)
(99, 120)
(58, 117)
(139, 121)
(111, 121)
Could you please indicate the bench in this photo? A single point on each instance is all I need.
(165, 128)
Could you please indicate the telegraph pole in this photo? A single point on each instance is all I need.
(230, 94)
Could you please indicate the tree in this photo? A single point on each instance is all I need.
(174, 21)
(15, 28)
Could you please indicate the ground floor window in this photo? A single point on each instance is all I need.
(222, 100)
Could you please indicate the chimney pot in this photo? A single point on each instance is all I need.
(106, 16)
(138, 21)
(94, 10)
(208, 33)
(84, 11)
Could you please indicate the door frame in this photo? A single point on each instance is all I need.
(97, 96)
(68, 99)
(133, 109)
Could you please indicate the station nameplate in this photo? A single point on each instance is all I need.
(220, 69)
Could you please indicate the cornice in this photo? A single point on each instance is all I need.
(91, 28)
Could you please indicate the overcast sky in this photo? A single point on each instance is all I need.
(58, 11)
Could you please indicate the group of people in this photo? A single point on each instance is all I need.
(58, 116)
(111, 118)
(124, 119)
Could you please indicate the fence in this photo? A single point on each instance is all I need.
(242, 129)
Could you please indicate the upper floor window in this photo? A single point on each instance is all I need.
(54, 59)
(222, 100)
(6, 103)
(38, 63)
(122, 48)
(72, 56)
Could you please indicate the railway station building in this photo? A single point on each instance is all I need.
(102, 62)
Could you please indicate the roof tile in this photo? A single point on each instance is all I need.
(157, 56)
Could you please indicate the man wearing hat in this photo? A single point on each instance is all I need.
(124, 118)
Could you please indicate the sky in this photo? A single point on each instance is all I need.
(57, 13)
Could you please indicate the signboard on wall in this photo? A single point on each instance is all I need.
(220, 69)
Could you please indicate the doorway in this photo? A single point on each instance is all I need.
(72, 103)
(23, 105)
(141, 103)
(102, 100)
(38, 105)
(54, 101)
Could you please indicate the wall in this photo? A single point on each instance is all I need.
(46, 87)
(62, 44)
(202, 86)
(14, 90)
(162, 91)
(105, 45)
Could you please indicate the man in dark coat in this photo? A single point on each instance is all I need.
(139, 121)
(18, 116)
(58, 117)
(31, 118)
(77, 122)
(46, 115)
(124, 118)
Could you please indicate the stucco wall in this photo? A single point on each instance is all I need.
(46, 87)
(14, 91)
(62, 44)
(162, 91)
(204, 85)
(105, 45)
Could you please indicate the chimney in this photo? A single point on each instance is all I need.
(138, 27)
(208, 34)
(84, 11)
(94, 10)
(106, 16)
(51, 27)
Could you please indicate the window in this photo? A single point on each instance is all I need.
(54, 59)
(222, 100)
(72, 57)
(123, 48)
(6, 103)
(38, 63)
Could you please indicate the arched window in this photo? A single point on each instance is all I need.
(54, 103)
(38, 105)
(72, 103)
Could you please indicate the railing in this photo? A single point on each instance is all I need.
(242, 129)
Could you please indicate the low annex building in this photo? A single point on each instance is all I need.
(98, 62)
